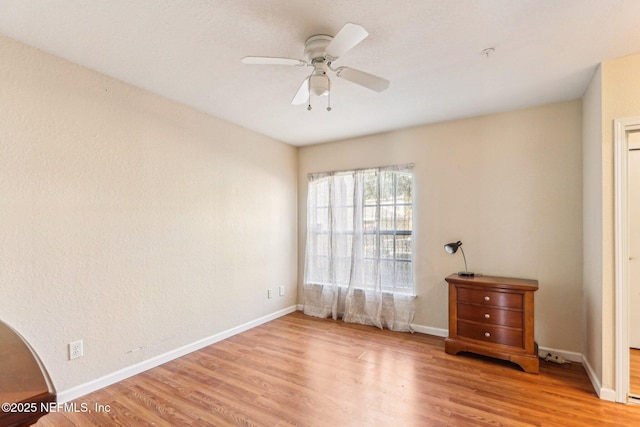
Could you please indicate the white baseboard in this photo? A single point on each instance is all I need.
(571, 356)
(607, 394)
(438, 332)
(602, 392)
(114, 377)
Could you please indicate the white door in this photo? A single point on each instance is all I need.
(634, 248)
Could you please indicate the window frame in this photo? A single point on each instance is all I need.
(379, 229)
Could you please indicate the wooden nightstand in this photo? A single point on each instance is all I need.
(493, 316)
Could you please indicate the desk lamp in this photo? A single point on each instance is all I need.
(452, 248)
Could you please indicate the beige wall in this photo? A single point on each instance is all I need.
(592, 220)
(129, 221)
(508, 185)
(620, 99)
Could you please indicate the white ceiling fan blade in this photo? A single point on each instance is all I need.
(363, 79)
(302, 96)
(269, 60)
(346, 39)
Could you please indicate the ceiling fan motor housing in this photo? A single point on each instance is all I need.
(315, 46)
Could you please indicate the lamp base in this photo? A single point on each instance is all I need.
(466, 274)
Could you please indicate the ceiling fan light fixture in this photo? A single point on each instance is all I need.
(319, 85)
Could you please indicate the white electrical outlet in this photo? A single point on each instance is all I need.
(75, 350)
(270, 293)
(281, 290)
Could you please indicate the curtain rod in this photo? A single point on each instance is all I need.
(380, 168)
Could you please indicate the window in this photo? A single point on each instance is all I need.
(360, 229)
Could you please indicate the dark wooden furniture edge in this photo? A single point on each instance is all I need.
(21, 366)
(528, 363)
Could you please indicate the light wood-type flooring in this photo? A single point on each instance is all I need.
(634, 367)
(303, 371)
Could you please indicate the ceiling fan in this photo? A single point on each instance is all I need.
(320, 51)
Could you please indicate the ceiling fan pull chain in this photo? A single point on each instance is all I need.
(329, 96)
(309, 85)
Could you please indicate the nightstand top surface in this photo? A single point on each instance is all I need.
(494, 282)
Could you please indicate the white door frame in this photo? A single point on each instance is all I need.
(621, 158)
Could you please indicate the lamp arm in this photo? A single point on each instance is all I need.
(465, 259)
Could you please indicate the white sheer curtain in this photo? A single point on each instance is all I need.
(358, 262)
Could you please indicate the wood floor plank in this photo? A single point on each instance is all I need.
(302, 371)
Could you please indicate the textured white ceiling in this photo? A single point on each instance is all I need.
(190, 51)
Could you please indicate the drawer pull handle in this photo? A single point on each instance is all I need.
(487, 316)
(487, 298)
(487, 334)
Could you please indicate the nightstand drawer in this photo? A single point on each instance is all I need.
(495, 299)
(490, 315)
(490, 333)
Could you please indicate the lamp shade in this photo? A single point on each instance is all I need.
(452, 247)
